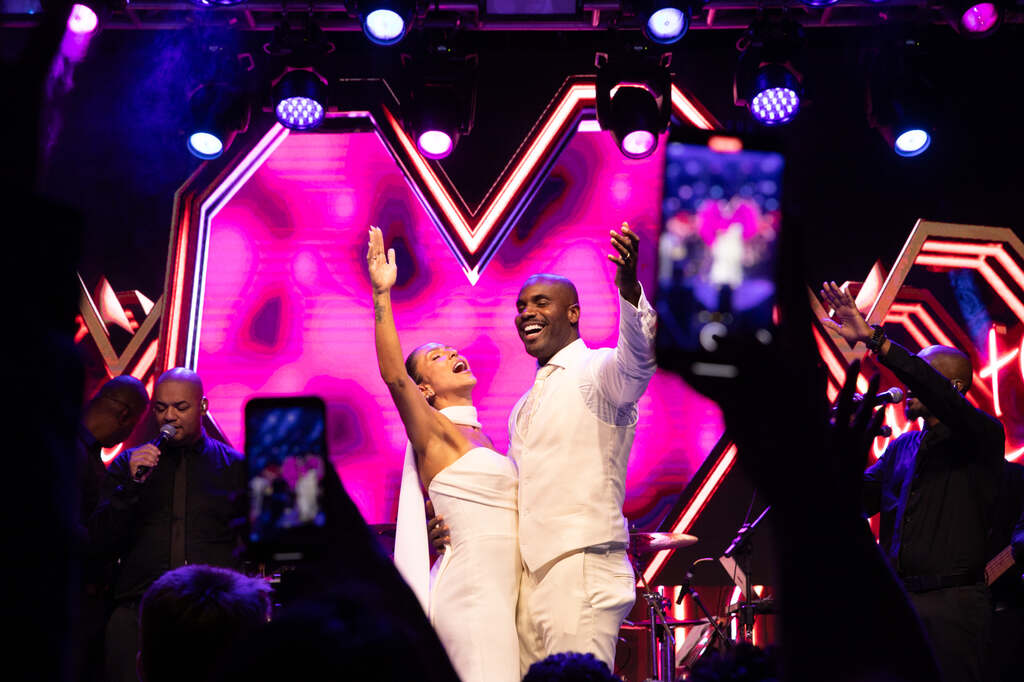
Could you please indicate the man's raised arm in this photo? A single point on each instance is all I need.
(623, 375)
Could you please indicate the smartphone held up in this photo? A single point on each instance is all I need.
(286, 456)
(717, 252)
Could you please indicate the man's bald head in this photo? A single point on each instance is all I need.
(951, 363)
(562, 283)
(184, 375)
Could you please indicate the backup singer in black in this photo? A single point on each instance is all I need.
(936, 491)
(107, 420)
(188, 508)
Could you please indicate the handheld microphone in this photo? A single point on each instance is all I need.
(167, 432)
(893, 395)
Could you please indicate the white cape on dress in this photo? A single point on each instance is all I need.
(412, 549)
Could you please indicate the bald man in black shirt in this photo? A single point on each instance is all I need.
(935, 490)
(187, 507)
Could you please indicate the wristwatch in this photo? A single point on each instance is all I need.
(874, 344)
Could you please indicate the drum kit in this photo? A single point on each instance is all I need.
(706, 632)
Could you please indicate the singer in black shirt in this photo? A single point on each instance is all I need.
(187, 508)
(935, 490)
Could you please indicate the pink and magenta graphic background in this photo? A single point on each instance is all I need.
(287, 306)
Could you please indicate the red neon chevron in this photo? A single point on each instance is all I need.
(474, 235)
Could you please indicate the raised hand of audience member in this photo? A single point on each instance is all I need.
(853, 426)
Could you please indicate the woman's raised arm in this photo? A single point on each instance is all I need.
(421, 424)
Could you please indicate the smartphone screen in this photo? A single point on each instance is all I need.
(721, 215)
(286, 455)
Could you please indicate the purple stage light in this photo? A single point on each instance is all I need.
(384, 26)
(634, 119)
(82, 19)
(300, 99)
(639, 144)
(667, 25)
(775, 105)
(435, 144)
(300, 113)
(980, 18)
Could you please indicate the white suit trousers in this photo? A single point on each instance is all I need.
(575, 603)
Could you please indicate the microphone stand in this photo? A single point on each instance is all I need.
(689, 589)
(663, 645)
(741, 549)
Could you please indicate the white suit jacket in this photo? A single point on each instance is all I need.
(572, 462)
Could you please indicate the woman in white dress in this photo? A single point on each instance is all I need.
(472, 604)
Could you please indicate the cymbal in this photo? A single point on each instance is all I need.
(643, 624)
(383, 529)
(647, 543)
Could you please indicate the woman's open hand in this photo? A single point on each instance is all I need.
(382, 268)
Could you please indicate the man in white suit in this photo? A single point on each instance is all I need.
(570, 438)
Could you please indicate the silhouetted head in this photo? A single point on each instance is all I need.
(190, 616)
(950, 363)
(570, 667)
(114, 411)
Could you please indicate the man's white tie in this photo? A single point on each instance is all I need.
(530, 405)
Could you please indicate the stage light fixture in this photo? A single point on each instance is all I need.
(905, 134)
(205, 145)
(635, 120)
(634, 99)
(435, 144)
(900, 98)
(217, 112)
(385, 22)
(300, 99)
(299, 95)
(912, 142)
(775, 96)
(439, 102)
(82, 19)
(665, 21)
(976, 19)
(767, 81)
(434, 119)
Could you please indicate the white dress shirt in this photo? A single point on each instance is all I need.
(572, 458)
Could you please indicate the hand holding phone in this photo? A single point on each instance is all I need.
(286, 455)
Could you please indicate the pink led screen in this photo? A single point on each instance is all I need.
(287, 308)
